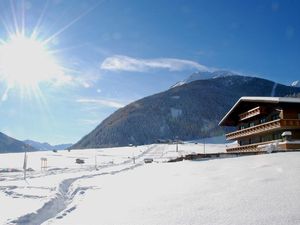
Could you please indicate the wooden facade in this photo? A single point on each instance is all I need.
(260, 123)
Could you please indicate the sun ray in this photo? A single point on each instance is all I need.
(8, 31)
(64, 28)
(55, 51)
(41, 99)
(5, 94)
(36, 31)
(23, 17)
(15, 20)
(27, 60)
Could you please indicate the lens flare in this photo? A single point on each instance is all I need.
(26, 57)
(26, 62)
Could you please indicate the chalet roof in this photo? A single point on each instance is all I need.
(249, 100)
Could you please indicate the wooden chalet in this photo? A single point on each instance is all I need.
(263, 123)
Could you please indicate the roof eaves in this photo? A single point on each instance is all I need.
(229, 112)
(260, 99)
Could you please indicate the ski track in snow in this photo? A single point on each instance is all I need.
(274, 90)
(63, 198)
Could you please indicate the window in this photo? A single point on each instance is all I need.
(268, 137)
(298, 116)
(252, 124)
(243, 127)
(244, 142)
(275, 117)
(276, 136)
(263, 120)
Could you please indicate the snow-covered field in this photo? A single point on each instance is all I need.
(263, 189)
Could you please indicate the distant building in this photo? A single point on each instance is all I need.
(264, 123)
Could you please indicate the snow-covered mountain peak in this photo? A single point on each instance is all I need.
(44, 146)
(296, 83)
(204, 75)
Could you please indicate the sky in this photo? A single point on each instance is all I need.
(67, 65)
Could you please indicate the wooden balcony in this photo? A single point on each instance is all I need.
(264, 128)
(290, 123)
(248, 148)
(251, 113)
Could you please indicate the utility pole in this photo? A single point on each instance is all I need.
(25, 164)
(204, 145)
(133, 157)
(176, 143)
(96, 162)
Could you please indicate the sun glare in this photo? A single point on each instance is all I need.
(26, 62)
(26, 57)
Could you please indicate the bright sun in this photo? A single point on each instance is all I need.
(25, 62)
(26, 57)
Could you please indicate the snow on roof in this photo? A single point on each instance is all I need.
(260, 99)
(270, 99)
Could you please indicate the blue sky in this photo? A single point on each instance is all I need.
(113, 52)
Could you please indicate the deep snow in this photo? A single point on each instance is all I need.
(261, 189)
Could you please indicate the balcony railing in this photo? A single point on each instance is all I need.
(261, 128)
(290, 123)
(251, 113)
(248, 148)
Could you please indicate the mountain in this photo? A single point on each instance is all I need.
(296, 83)
(204, 75)
(8, 144)
(62, 146)
(189, 111)
(46, 146)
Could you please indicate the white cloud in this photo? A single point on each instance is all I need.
(105, 102)
(125, 63)
(84, 77)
